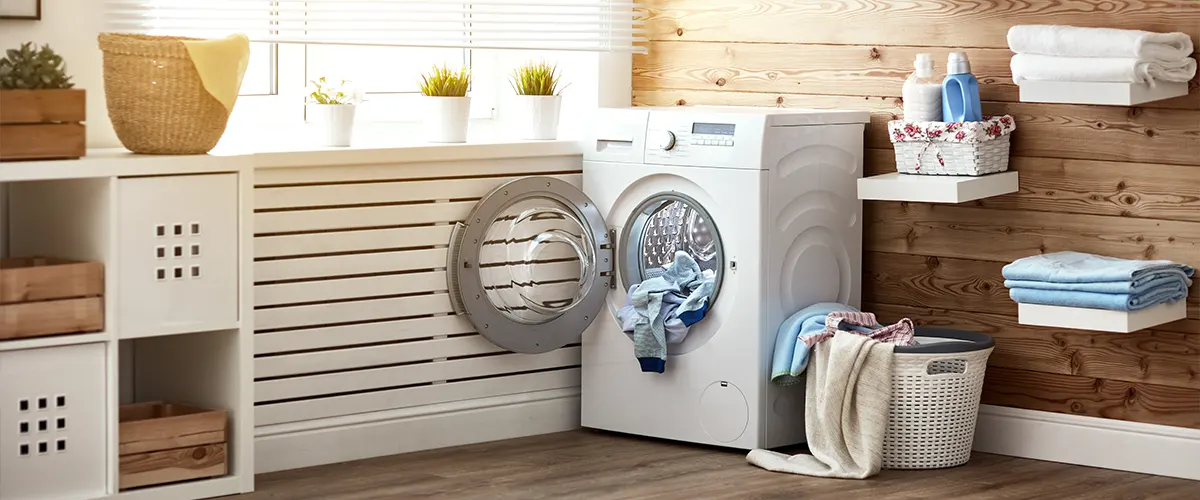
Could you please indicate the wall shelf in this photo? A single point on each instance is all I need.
(1111, 94)
(935, 188)
(1099, 319)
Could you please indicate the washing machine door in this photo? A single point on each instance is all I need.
(532, 264)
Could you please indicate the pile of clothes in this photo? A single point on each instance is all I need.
(847, 355)
(1073, 279)
(1071, 54)
(661, 310)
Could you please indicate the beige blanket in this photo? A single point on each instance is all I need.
(848, 390)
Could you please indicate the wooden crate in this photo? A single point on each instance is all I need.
(44, 296)
(165, 443)
(42, 124)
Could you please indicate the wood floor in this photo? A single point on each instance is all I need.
(594, 465)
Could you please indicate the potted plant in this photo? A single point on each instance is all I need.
(332, 108)
(539, 100)
(449, 107)
(40, 112)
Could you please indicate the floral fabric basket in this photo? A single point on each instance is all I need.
(954, 148)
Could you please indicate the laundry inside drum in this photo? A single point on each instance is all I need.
(536, 261)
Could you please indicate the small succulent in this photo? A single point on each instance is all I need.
(444, 82)
(32, 68)
(324, 92)
(536, 78)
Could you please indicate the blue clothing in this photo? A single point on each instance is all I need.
(1111, 301)
(648, 298)
(1152, 280)
(791, 355)
(1075, 267)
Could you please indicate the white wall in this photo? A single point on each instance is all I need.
(71, 27)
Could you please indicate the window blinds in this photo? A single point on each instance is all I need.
(586, 25)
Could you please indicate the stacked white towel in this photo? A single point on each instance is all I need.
(1071, 54)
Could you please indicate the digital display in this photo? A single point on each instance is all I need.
(712, 128)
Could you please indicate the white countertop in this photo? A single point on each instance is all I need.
(122, 163)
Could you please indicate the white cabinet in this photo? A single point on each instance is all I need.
(52, 414)
(178, 247)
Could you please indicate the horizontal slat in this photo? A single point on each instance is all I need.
(346, 312)
(345, 265)
(1148, 356)
(1108, 133)
(1155, 191)
(360, 380)
(503, 164)
(296, 411)
(377, 355)
(351, 241)
(919, 281)
(373, 286)
(365, 333)
(1149, 403)
(889, 22)
(383, 192)
(350, 218)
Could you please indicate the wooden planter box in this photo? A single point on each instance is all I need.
(44, 296)
(165, 443)
(42, 124)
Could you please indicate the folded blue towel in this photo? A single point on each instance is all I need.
(1151, 280)
(1110, 301)
(1075, 267)
(791, 356)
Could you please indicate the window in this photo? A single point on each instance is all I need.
(277, 79)
(382, 45)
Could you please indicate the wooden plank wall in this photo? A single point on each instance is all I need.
(1113, 180)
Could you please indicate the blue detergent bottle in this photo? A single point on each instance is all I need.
(960, 91)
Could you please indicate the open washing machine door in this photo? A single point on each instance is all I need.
(532, 264)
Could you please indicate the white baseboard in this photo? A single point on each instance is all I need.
(1095, 442)
(355, 437)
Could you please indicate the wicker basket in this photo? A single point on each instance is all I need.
(963, 148)
(936, 386)
(156, 100)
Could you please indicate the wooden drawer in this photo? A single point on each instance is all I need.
(165, 443)
(44, 296)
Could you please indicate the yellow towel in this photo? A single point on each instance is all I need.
(221, 64)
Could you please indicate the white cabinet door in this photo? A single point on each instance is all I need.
(178, 244)
(53, 433)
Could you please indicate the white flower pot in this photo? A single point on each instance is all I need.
(538, 116)
(335, 122)
(446, 118)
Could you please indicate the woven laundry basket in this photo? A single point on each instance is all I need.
(936, 386)
(156, 100)
(955, 148)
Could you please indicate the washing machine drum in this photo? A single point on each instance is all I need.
(533, 262)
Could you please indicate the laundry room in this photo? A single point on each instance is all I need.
(599, 249)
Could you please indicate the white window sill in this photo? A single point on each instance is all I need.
(287, 148)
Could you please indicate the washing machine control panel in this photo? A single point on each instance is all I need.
(704, 139)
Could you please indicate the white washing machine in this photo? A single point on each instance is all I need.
(766, 198)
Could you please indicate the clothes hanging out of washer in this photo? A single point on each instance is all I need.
(661, 310)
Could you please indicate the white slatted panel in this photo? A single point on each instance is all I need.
(360, 217)
(395, 376)
(353, 288)
(358, 357)
(296, 411)
(352, 310)
(350, 241)
(366, 333)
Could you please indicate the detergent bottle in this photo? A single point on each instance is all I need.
(960, 91)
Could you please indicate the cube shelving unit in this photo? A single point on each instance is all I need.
(174, 235)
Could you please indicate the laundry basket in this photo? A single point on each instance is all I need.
(936, 386)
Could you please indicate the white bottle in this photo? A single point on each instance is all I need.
(922, 93)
